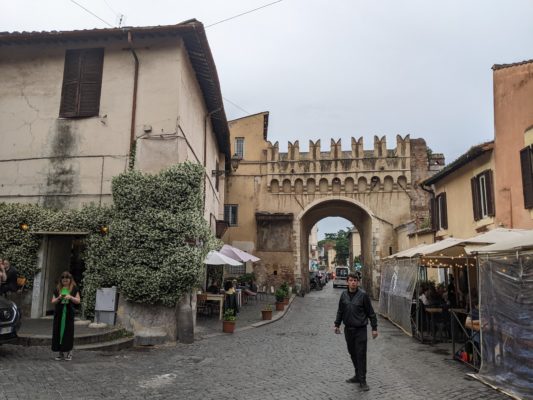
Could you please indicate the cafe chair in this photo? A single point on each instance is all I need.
(262, 293)
(201, 305)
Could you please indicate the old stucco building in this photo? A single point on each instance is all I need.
(79, 107)
(274, 199)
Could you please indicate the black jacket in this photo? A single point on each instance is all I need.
(357, 311)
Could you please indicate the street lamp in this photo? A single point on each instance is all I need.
(235, 161)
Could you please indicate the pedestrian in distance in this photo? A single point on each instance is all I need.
(10, 280)
(355, 309)
(3, 275)
(66, 295)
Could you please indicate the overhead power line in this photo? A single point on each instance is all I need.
(244, 13)
(236, 105)
(93, 14)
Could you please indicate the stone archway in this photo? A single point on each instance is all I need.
(358, 214)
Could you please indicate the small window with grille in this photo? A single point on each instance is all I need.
(239, 147)
(230, 214)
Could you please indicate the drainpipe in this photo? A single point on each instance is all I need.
(134, 101)
(208, 115)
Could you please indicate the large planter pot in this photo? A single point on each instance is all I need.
(228, 326)
(266, 314)
(279, 306)
(286, 301)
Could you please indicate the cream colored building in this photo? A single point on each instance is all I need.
(79, 107)
(464, 194)
(73, 105)
(274, 199)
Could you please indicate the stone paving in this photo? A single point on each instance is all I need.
(296, 357)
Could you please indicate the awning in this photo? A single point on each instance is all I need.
(525, 241)
(495, 237)
(431, 249)
(216, 258)
(238, 254)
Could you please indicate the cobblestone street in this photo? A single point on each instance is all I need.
(297, 357)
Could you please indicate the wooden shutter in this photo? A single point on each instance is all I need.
(527, 176)
(444, 211)
(490, 193)
(82, 82)
(475, 198)
(69, 92)
(90, 82)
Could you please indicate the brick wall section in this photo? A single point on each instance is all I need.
(419, 172)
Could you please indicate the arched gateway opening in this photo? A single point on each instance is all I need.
(359, 215)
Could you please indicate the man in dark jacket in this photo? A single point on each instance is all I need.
(355, 309)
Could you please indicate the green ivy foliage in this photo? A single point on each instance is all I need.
(155, 245)
(158, 238)
(21, 247)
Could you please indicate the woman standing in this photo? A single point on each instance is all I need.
(65, 296)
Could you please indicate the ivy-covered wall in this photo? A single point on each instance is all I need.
(155, 242)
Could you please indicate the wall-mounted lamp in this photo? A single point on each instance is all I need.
(235, 161)
(104, 230)
(24, 226)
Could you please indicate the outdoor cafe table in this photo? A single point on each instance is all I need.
(432, 311)
(219, 298)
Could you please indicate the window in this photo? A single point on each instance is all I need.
(439, 212)
(239, 147)
(230, 214)
(526, 162)
(482, 195)
(82, 82)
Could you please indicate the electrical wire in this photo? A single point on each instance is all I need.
(241, 14)
(93, 14)
(236, 105)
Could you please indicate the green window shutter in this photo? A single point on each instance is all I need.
(527, 176)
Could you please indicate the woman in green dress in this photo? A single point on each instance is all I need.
(66, 295)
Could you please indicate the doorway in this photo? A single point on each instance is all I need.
(58, 253)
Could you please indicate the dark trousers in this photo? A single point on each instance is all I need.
(356, 339)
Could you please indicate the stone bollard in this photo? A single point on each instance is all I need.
(185, 318)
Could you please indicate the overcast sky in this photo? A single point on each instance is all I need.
(336, 68)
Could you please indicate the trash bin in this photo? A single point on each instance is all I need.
(105, 309)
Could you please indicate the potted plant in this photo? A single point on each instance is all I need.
(285, 287)
(267, 312)
(228, 321)
(280, 297)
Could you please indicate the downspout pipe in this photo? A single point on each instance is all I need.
(134, 101)
(207, 116)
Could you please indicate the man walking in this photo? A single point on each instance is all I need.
(355, 309)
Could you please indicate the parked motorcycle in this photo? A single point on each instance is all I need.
(314, 281)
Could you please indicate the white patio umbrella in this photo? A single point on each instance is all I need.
(216, 258)
(238, 254)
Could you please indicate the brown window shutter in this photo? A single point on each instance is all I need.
(82, 82)
(527, 176)
(71, 77)
(475, 198)
(444, 212)
(490, 193)
(90, 82)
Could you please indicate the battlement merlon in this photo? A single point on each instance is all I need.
(403, 149)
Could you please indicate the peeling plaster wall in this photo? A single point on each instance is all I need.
(68, 162)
